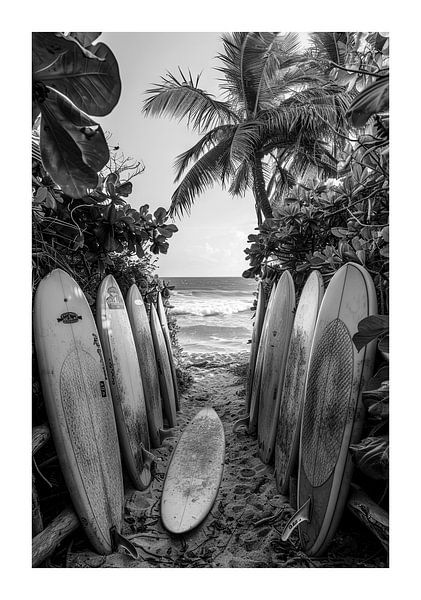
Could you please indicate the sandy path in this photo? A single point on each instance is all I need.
(228, 537)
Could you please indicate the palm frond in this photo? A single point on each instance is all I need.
(209, 140)
(254, 63)
(183, 98)
(242, 180)
(318, 111)
(212, 167)
(330, 45)
(245, 141)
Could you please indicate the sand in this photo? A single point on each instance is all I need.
(231, 535)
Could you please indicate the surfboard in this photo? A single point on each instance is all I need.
(194, 473)
(147, 362)
(165, 330)
(279, 327)
(79, 407)
(164, 369)
(255, 339)
(125, 381)
(333, 412)
(250, 420)
(290, 407)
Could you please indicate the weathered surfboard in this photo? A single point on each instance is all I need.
(257, 377)
(79, 406)
(255, 339)
(147, 362)
(165, 330)
(333, 412)
(194, 473)
(125, 381)
(290, 408)
(279, 327)
(164, 369)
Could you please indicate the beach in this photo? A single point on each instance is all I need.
(243, 529)
(213, 314)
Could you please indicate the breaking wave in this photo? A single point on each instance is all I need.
(210, 308)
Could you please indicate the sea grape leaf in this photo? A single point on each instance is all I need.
(73, 146)
(377, 402)
(91, 81)
(339, 232)
(125, 189)
(369, 329)
(385, 233)
(371, 456)
(375, 382)
(160, 215)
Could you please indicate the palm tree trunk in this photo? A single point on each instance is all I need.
(259, 188)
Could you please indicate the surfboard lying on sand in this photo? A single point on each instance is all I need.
(125, 381)
(147, 362)
(79, 406)
(333, 411)
(279, 329)
(194, 473)
(165, 330)
(255, 339)
(289, 421)
(250, 420)
(164, 369)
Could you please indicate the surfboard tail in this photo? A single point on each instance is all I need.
(301, 515)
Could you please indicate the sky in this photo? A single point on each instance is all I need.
(210, 242)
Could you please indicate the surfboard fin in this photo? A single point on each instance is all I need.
(120, 540)
(148, 463)
(166, 433)
(302, 514)
(243, 421)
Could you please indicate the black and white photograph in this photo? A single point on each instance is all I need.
(210, 299)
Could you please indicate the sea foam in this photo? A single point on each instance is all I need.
(210, 308)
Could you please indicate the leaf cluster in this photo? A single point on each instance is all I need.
(73, 78)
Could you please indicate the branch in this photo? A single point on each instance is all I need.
(360, 71)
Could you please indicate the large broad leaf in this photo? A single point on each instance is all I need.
(86, 38)
(371, 456)
(89, 77)
(369, 329)
(374, 99)
(48, 47)
(73, 146)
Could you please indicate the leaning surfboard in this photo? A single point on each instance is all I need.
(279, 329)
(289, 421)
(255, 339)
(333, 412)
(147, 362)
(194, 473)
(165, 330)
(79, 406)
(125, 381)
(164, 369)
(250, 420)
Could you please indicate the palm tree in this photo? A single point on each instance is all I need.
(277, 106)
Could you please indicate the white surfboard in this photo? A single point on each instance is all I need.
(125, 381)
(79, 407)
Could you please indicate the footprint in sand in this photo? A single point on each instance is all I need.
(240, 489)
(247, 473)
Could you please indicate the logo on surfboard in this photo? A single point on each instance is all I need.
(114, 300)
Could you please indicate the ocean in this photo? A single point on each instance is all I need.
(213, 313)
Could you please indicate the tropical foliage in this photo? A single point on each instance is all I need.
(273, 125)
(73, 78)
(307, 129)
